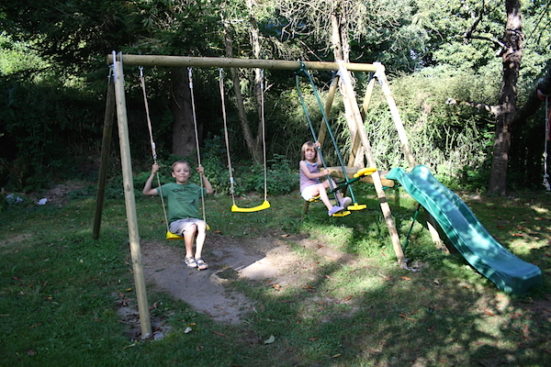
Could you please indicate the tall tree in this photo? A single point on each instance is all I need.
(511, 59)
(510, 49)
(241, 26)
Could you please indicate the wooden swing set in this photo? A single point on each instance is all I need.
(359, 153)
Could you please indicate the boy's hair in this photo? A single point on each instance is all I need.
(308, 144)
(178, 162)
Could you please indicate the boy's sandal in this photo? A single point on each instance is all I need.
(201, 265)
(190, 262)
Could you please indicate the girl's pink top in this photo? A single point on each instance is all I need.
(305, 181)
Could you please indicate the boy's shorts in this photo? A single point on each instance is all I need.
(180, 226)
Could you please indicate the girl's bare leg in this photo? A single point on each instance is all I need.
(323, 195)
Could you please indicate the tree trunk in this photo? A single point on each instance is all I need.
(183, 131)
(253, 147)
(512, 56)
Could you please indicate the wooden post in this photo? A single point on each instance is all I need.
(356, 149)
(381, 77)
(328, 105)
(133, 235)
(105, 152)
(367, 96)
(348, 93)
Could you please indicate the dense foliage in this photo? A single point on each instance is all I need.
(53, 77)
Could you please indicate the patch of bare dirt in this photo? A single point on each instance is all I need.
(58, 195)
(267, 259)
(15, 239)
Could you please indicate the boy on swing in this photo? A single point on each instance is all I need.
(183, 199)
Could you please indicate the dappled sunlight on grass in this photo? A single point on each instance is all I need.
(357, 309)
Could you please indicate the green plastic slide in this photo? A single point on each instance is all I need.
(466, 233)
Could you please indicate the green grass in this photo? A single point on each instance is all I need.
(59, 291)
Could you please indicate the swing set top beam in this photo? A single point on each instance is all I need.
(226, 62)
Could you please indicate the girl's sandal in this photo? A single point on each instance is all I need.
(201, 265)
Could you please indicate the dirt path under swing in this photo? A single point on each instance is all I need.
(266, 259)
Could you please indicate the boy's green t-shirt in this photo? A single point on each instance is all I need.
(183, 200)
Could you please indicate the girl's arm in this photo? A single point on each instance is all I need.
(312, 175)
(147, 190)
(318, 152)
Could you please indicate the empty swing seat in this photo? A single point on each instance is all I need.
(264, 205)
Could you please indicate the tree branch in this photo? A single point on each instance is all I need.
(469, 34)
(495, 110)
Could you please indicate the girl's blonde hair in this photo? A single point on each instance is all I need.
(308, 145)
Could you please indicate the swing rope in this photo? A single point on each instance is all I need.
(153, 150)
(224, 117)
(170, 235)
(547, 138)
(263, 123)
(265, 204)
(190, 75)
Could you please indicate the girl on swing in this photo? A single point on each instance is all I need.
(310, 183)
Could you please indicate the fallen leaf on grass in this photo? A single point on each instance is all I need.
(525, 332)
(406, 317)
(312, 339)
(336, 355)
(270, 340)
(219, 333)
(31, 352)
(277, 287)
(518, 234)
(405, 277)
(187, 330)
(489, 313)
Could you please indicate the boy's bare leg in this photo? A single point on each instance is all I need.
(189, 236)
(200, 241)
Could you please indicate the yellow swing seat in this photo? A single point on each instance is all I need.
(342, 213)
(365, 172)
(173, 236)
(264, 205)
(356, 206)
